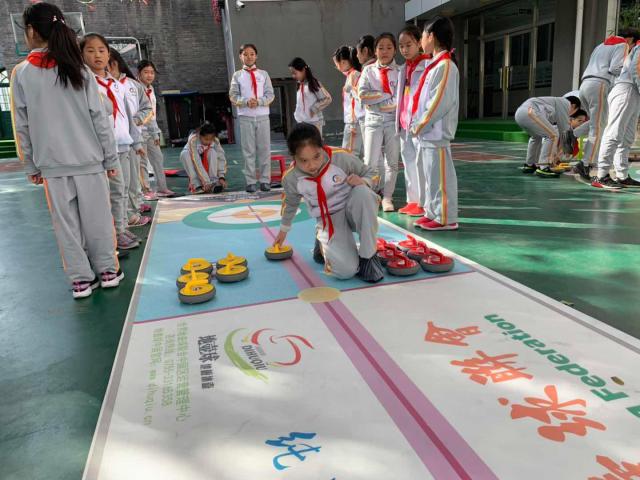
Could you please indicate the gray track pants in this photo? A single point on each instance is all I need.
(154, 156)
(594, 93)
(352, 139)
(376, 134)
(83, 224)
(118, 194)
(360, 216)
(255, 140)
(624, 107)
(441, 192)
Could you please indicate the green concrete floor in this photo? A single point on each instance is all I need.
(557, 236)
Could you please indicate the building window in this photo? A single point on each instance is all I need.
(5, 104)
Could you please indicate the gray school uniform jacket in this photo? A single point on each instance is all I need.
(60, 131)
(554, 109)
(606, 59)
(297, 185)
(241, 91)
(193, 152)
(436, 119)
(138, 101)
(408, 89)
(371, 91)
(150, 127)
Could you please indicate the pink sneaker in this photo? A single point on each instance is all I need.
(144, 208)
(436, 226)
(165, 193)
(138, 221)
(149, 196)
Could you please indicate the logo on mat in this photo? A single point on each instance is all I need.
(257, 352)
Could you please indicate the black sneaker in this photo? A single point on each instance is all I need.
(606, 182)
(546, 172)
(318, 257)
(526, 168)
(629, 182)
(217, 189)
(252, 188)
(265, 187)
(371, 269)
(582, 170)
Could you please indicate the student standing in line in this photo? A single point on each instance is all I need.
(70, 158)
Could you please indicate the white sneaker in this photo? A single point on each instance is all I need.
(387, 205)
(83, 289)
(110, 279)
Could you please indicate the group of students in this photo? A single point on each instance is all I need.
(95, 133)
(409, 111)
(391, 112)
(85, 128)
(604, 112)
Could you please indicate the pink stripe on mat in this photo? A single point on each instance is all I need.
(438, 445)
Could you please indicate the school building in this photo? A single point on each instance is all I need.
(512, 50)
(508, 50)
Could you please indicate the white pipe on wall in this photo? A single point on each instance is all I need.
(577, 48)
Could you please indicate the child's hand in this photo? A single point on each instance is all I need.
(252, 103)
(112, 173)
(156, 142)
(140, 152)
(35, 179)
(282, 236)
(354, 180)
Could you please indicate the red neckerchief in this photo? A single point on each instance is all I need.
(205, 157)
(384, 78)
(614, 40)
(431, 66)
(41, 60)
(123, 79)
(412, 64)
(110, 96)
(254, 82)
(147, 92)
(322, 196)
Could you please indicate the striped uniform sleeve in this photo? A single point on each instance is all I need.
(291, 199)
(367, 93)
(352, 165)
(440, 94)
(235, 95)
(20, 120)
(268, 94)
(323, 100)
(617, 59)
(145, 112)
(102, 122)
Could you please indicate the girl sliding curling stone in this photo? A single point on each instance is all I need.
(336, 187)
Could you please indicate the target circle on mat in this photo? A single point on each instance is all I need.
(229, 217)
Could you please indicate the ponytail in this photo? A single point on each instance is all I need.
(443, 31)
(348, 53)
(367, 41)
(48, 22)
(114, 56)
(300, 65)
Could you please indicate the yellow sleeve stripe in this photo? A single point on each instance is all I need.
(434, 106)
(13, 112)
